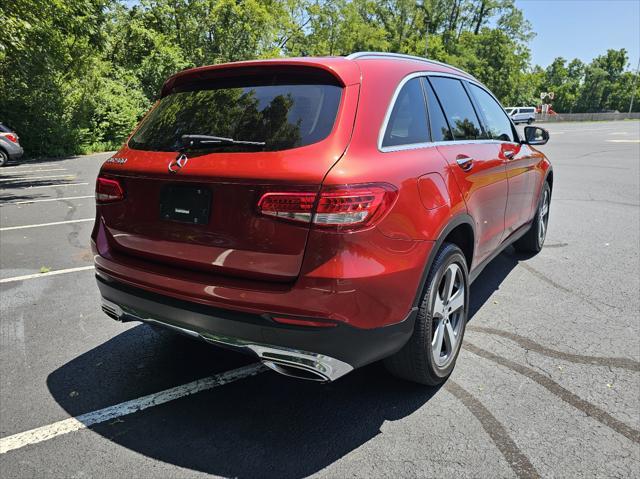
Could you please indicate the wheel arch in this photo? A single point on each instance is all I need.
(460, 231)
(549, 178)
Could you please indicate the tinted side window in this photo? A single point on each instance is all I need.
(408, 121)
(457, 108)
(496, 122)
(439, 128)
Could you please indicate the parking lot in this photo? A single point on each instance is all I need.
(547, 384)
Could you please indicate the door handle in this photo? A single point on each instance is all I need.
(509, 154)
(465, 162)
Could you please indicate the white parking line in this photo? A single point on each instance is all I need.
(28, 202)
(22, 172)
(623, 141)
(50, 186)
(9, 228)
(43, 275)
(28, 165)
(65, 426)
(70, 176)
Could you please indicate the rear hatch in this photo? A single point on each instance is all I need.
(290, 124)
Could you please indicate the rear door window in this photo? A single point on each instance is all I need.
(439, 128)
(496, 122)
(408, 120)
(457, 108)
(283, 116)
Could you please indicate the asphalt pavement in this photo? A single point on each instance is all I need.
(547, 384)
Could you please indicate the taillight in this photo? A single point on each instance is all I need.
(289, 206)
(11, 137)
(108, 190)
(341, 208)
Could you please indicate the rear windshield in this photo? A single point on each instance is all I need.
(282, 116)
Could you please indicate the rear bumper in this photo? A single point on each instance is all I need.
(16, 153)
(364, 280)
(323, 353)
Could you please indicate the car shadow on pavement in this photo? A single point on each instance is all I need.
(491, 278)
(261, 426)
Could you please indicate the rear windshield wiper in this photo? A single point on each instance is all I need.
(207, 141)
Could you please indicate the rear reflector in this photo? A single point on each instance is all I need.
(304, 322)
(108, 190)
(341, 208)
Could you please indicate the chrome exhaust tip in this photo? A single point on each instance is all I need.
(289, 362)
(112, 310)
(295, 371)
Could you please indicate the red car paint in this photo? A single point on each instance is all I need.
(250, 262)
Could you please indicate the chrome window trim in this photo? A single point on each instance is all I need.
(387, 117)
(414, 146)
(402, 56)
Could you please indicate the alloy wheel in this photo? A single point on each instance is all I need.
(543, 217)
(448, 316)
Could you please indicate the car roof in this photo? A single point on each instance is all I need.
(425, 64)
(344, 69)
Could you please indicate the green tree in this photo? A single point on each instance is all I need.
(55, 89)
(496, 60)
(76, 75)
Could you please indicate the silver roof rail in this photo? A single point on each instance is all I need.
(402, 56)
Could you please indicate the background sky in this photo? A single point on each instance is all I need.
(582, 29)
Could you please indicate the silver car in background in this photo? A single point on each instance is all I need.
(10, 149)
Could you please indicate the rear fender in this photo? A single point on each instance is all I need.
(461, 219)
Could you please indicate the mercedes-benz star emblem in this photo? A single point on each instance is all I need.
(178, 163)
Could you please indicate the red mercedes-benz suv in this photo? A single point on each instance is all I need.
(320, 213)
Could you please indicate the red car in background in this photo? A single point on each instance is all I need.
(320, 213)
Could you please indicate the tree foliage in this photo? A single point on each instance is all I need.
(605, 84)
(77, 75)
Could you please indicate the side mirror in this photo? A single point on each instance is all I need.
(534, 135)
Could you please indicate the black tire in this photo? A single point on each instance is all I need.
(416, 360)
(533, 240)
(529, 121)
(4, 158)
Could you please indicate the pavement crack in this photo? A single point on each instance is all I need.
(530, 345)
(518, 462)
(556, 245)
(528, 361)
(564, 289)
(556, 389)
(594, 200)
